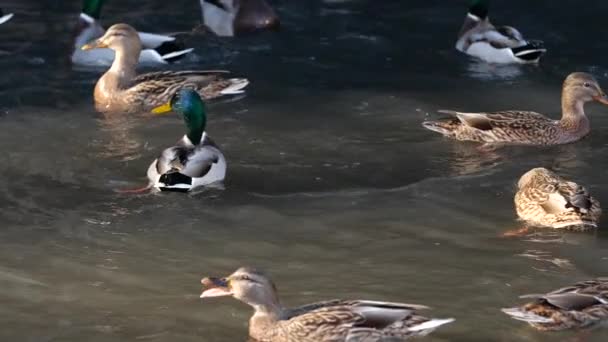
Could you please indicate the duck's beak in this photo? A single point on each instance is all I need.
(215, 287)
(96, 44)
(602, 98)
(162, 109)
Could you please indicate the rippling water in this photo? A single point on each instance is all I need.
(333, 187)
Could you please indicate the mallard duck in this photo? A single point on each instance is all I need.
(333, 320)
(495, 44)
(231, 17)
(156, 49)
(547, 200)
(581, 305)
(119, 89)
(196, 160)
(527, 128)
(5, 17)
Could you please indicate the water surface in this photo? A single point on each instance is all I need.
(333, 187)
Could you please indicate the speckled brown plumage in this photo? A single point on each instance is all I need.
(546, 199)
(120, 89)
(581, 305)
(328, 321)
(524, 127)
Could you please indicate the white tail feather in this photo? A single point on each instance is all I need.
(518, 314)
(431, 324)
(236, 86)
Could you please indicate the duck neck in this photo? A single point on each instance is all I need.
(120, 74)
(264, 320)
(573, 114)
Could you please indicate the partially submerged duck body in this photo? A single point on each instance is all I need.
(582, 305)
(545, 199)
(328, 321)
(495, 44)
(156, 49)
(121, 90)
(523, 127)
(228, 18)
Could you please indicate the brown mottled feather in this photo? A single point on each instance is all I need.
(546, 199)
(578, 306)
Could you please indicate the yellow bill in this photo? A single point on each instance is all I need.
(93, 45)
(162, 109)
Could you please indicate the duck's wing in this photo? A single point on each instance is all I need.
(157, 88)
(576, 196)
(363, 312)
(504, 119)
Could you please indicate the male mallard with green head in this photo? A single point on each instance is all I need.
(156, 49)
(232, 17)
(121, 90)
(582, 305)
(495, 44)
(195, 160)
(329, 321)
(527, 128)
(547, 200)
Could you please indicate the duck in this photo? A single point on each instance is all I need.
(5, 17)
(227, 18)
(495, 44)
(523, 127)
(121, 90)
(332, 320)
(545, 199)
(156, 50)
(582, 305)
(195, 160)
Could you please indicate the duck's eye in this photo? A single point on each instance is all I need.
(586, 85)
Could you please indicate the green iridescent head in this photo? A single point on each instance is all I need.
(189, 104)
(479, 8)
(92, 8)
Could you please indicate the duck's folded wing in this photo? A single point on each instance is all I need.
(199, 162)
(576, 196)
(180, 76)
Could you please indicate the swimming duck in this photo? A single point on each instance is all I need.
(5, 17)
(156, 49)
(495, 44)
(196, 160)
(333, 320)
(527, 128)
(548, 200)
(119, 89)
(581, 305)
(232, 17)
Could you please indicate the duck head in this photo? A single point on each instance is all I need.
(582, 87)
(245, 284)
(118, 37)
(188, 103)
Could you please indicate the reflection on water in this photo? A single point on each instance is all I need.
(332, 185)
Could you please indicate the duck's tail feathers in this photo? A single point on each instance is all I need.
(174, 181)
(530, 52)
(526, 316)
(431, 324)
(236, 86)
(5, 18)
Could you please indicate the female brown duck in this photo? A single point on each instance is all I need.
(119, 89)
(527, 128)
(329, 321)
